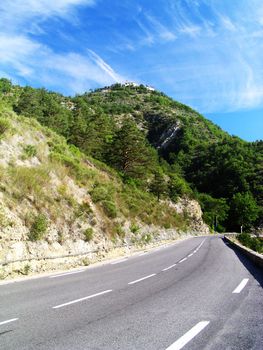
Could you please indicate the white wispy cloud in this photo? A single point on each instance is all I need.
(219, 67)
(105, 67)
(227, 23)
(35, 61)
(211, 51)
(80, 71)
(26, 57)
(160, 30)
(192, 30)
(151, 32)
(14, 13)
(148, 37)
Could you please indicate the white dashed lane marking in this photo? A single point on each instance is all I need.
(241, 286)
(8, 321)
(142, 279)
(82, 299)
(187, 337)
(169, 267)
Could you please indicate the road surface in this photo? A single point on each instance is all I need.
(195, 294)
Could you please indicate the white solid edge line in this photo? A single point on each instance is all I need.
(200, 245)
(182, 260)
(241, 285)
(119, 261)
(142, 279)
(169, 267)
(196, 249)
(81, 299)
(143, 253)
(8, 321)
(181, 342)
(190, 255)
(66, 274)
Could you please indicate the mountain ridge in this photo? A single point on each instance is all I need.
(179, 151)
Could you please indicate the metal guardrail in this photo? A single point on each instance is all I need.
(255, 257)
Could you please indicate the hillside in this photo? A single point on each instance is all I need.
(158, 145)
(55, 201)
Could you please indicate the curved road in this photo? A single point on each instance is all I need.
(195, 294)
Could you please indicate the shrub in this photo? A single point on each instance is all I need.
(84, 209)
(26, 269)
(99, 193)
(62, 190)
(88, 233)
(120, 232)
(134, 228)
(4, 125)
(85, 262)
(257, 245)
(65, 195)
(109, 209)
(177, 186)
(253, 243)
(147, 238)
(38, 228)
(244, 238)
(60, 237)
(29, 151)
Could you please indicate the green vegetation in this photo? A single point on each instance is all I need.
(29, 151)
(38, 228)
(130, 152)
(134, 228)
(215, 211)
(26, 182)
(119, 230)
(88, 233)
(244, 210)
(146, 238)
(152, 148)
(158, 185)
(83, 210)
(253, 243)
(25, 270)
(4, 125)
(110, 209)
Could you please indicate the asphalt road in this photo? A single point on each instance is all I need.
(196, 294)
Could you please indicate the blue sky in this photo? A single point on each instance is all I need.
(205, 53)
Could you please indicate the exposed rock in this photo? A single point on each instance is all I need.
(168, 136)
(193, 210)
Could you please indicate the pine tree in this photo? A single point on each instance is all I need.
(130, 152)
(158, 184)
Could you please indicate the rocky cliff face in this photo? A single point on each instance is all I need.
(59, 210)
(19, 256)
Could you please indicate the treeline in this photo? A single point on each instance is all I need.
(123, 126)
